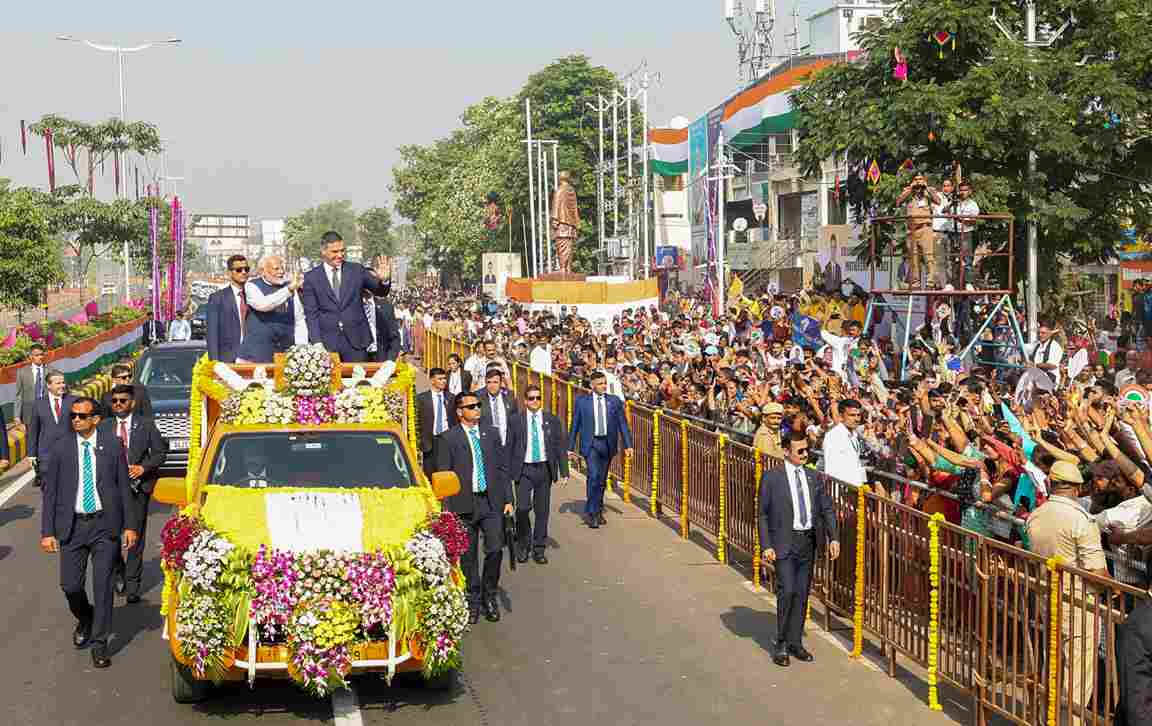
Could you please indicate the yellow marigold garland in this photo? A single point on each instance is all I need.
(653, 503)
(684, 478)
(858, 599)
(934, 610)
(555, 396)
(757, 551)
(1053, 564)
(722, 529)
(412, 439)
(201, 375)
(169, 588)
(569, 412)
(626, 485)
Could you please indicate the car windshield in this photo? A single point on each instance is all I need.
(168, 369)
(341, 459)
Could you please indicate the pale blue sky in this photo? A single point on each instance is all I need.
(272, 107)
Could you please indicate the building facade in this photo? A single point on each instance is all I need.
(220, 236)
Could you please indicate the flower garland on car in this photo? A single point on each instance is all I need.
(307, 370)
(324, 605)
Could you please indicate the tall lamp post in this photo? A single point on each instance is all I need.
(120, 50)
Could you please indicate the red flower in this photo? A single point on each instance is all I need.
(177, 537)
(448, 528)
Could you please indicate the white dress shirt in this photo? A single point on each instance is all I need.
(257, 300)
(793, 472)
(236, 296)
(540, 360)
(439, 413)
(127, 431)
(455, 382)
(499, 414)
(842, 456)
(180, 330)
(80, 472)
(599, 415)
(328, 270)
(535, 422)
(1052, 353)
(54, 403)
(840, 345)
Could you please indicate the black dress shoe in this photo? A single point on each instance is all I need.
(780, 658)
(473, 615)
(594, 522)
(539, 558)
(100, 657)
(799, 653)
(82, 633)
(522, 555)
(600, 518)
(133, 599)
(491, 610)
(119, 583)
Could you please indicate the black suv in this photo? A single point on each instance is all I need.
(165, 370)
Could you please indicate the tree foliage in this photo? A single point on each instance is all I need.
(442, 187)
(302, 232)
(29, 259)
(101, 140)
(375, 229)
(1082, 105)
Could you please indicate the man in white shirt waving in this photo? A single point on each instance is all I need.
(180, 328)
(842, 346)
(842, 446)
(1048, 353)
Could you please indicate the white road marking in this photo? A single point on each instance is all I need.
(14, 488)
(346, 708)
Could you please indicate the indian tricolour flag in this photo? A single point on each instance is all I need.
(765, 108)
(669, 149)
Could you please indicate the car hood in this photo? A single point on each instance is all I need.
(170, 399)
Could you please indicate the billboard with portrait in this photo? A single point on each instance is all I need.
(496, 268)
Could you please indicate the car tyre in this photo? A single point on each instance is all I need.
(187, 688)
(444, 682)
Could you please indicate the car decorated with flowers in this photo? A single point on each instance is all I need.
(307, 543)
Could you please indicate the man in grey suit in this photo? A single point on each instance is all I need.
(31, 385)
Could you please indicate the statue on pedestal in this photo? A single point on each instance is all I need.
(565, 222)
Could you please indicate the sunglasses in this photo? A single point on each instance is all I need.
(82, 416)
(121, 400)
(123, 377)
(469, 406)
(534, 398)
(240, 269)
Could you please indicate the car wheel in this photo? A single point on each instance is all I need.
(444, 682)
(187, 688)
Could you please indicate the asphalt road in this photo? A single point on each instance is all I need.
(628, 624)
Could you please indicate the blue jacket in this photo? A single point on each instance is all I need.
(223, 324)
(584, 423)
(333, 315)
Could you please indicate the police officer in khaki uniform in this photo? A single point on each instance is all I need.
(1061, 527)
(767, 439)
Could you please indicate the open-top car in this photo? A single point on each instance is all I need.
(309, 544)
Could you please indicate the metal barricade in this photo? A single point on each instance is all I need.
(703, 478)
(670, 487)
(642, 446)
(740, 498)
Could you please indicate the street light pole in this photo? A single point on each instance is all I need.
(120, 50)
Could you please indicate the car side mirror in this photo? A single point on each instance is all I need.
(445, 484)
(172, 490)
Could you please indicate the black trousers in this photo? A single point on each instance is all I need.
(486, 521)
(533, 501)
(132, 564)
(91, 539)
(793, 582)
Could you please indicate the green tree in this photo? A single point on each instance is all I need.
(29, 260)
(1082, 105)
(101, 141)
(302, 232)
(375, 227)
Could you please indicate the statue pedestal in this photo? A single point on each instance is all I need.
(561, 277)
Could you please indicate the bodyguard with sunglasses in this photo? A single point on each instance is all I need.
(795, 517)
(146, 451)
(87, 514)
(228, 313)
(537, 460)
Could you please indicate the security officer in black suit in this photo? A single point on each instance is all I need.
(475, 454)
(147, 451)
(497, 405)
(795, 517)
(537, 460)
(435, 414)
(87, 514)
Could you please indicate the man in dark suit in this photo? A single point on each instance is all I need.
(599, 423)
(459, 379)
(332, 304)
(385, 331)
(435, 414)
(795, 517)
(31, 385)
(497, 405)
(49, 419)
(87, 514)
(473, 452)
(537, 460)
(122, 376)
(146, 450)
(153, 331)
(228, 312)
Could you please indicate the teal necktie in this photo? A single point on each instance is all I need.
(481, 485)
(88, 499)
(535, 437)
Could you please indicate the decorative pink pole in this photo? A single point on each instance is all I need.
(153, 224)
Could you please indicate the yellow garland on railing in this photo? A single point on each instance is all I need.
(757, 552)
(201, 376)
(412, 439)
(555, 396)
(722, 530)
(569, 411)
(627, 483)
(934, 609)
(683, 478)
(858, 598)
(1053, 564)
(169, 588)
(653, 503)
